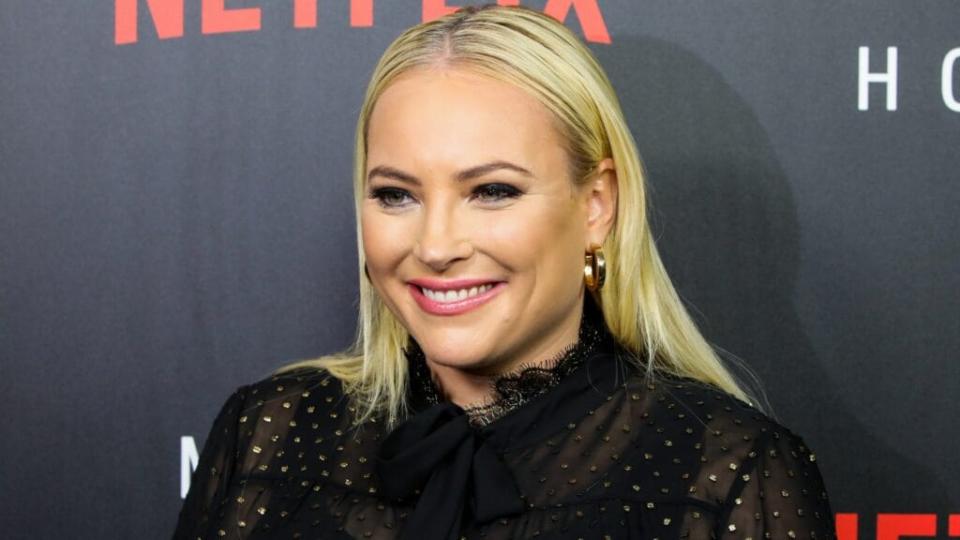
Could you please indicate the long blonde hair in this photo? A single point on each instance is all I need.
(540, 55)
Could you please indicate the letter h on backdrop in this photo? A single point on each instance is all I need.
(866, 78)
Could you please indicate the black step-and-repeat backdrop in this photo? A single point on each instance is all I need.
(175, 220)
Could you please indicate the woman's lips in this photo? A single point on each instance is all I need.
(455, 307)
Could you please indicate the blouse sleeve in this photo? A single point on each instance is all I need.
(211, 478)
(778, 494)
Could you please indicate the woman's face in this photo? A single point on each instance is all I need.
(473, 232)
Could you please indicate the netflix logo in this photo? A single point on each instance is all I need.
(218, 18)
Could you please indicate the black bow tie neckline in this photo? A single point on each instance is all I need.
(455, 462)
(437, 450)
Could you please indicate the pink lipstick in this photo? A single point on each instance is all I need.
(453, 297)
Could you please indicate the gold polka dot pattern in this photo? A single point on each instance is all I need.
(663, 458)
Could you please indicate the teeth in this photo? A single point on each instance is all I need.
(455, 296)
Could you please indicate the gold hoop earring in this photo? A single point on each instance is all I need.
(595, 269)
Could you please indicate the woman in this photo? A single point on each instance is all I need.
(524, 367)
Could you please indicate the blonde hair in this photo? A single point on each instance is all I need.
(540, 55)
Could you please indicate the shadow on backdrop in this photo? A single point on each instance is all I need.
(727, 227)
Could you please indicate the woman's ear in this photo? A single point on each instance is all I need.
(601, 197)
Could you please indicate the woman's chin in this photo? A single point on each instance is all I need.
(458, 357)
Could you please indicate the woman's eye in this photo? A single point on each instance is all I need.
(390, 197)
(495, 192)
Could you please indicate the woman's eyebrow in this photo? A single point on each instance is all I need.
(462, 176)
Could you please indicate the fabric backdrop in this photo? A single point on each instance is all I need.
(176, 220)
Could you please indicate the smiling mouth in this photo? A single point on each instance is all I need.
(450, 296)
(454, 298)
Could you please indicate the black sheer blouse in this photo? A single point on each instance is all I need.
(581, 446)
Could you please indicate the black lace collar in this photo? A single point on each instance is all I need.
(519, 386)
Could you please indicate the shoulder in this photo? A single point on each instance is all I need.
(285, 384)
(716, 442)
(305, 403)
(284, 396)
(687, 402)
(760, 476)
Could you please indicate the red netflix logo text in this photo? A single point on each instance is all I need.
(217, 18)
(896, 526)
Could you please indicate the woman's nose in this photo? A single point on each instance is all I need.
(443, 238)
